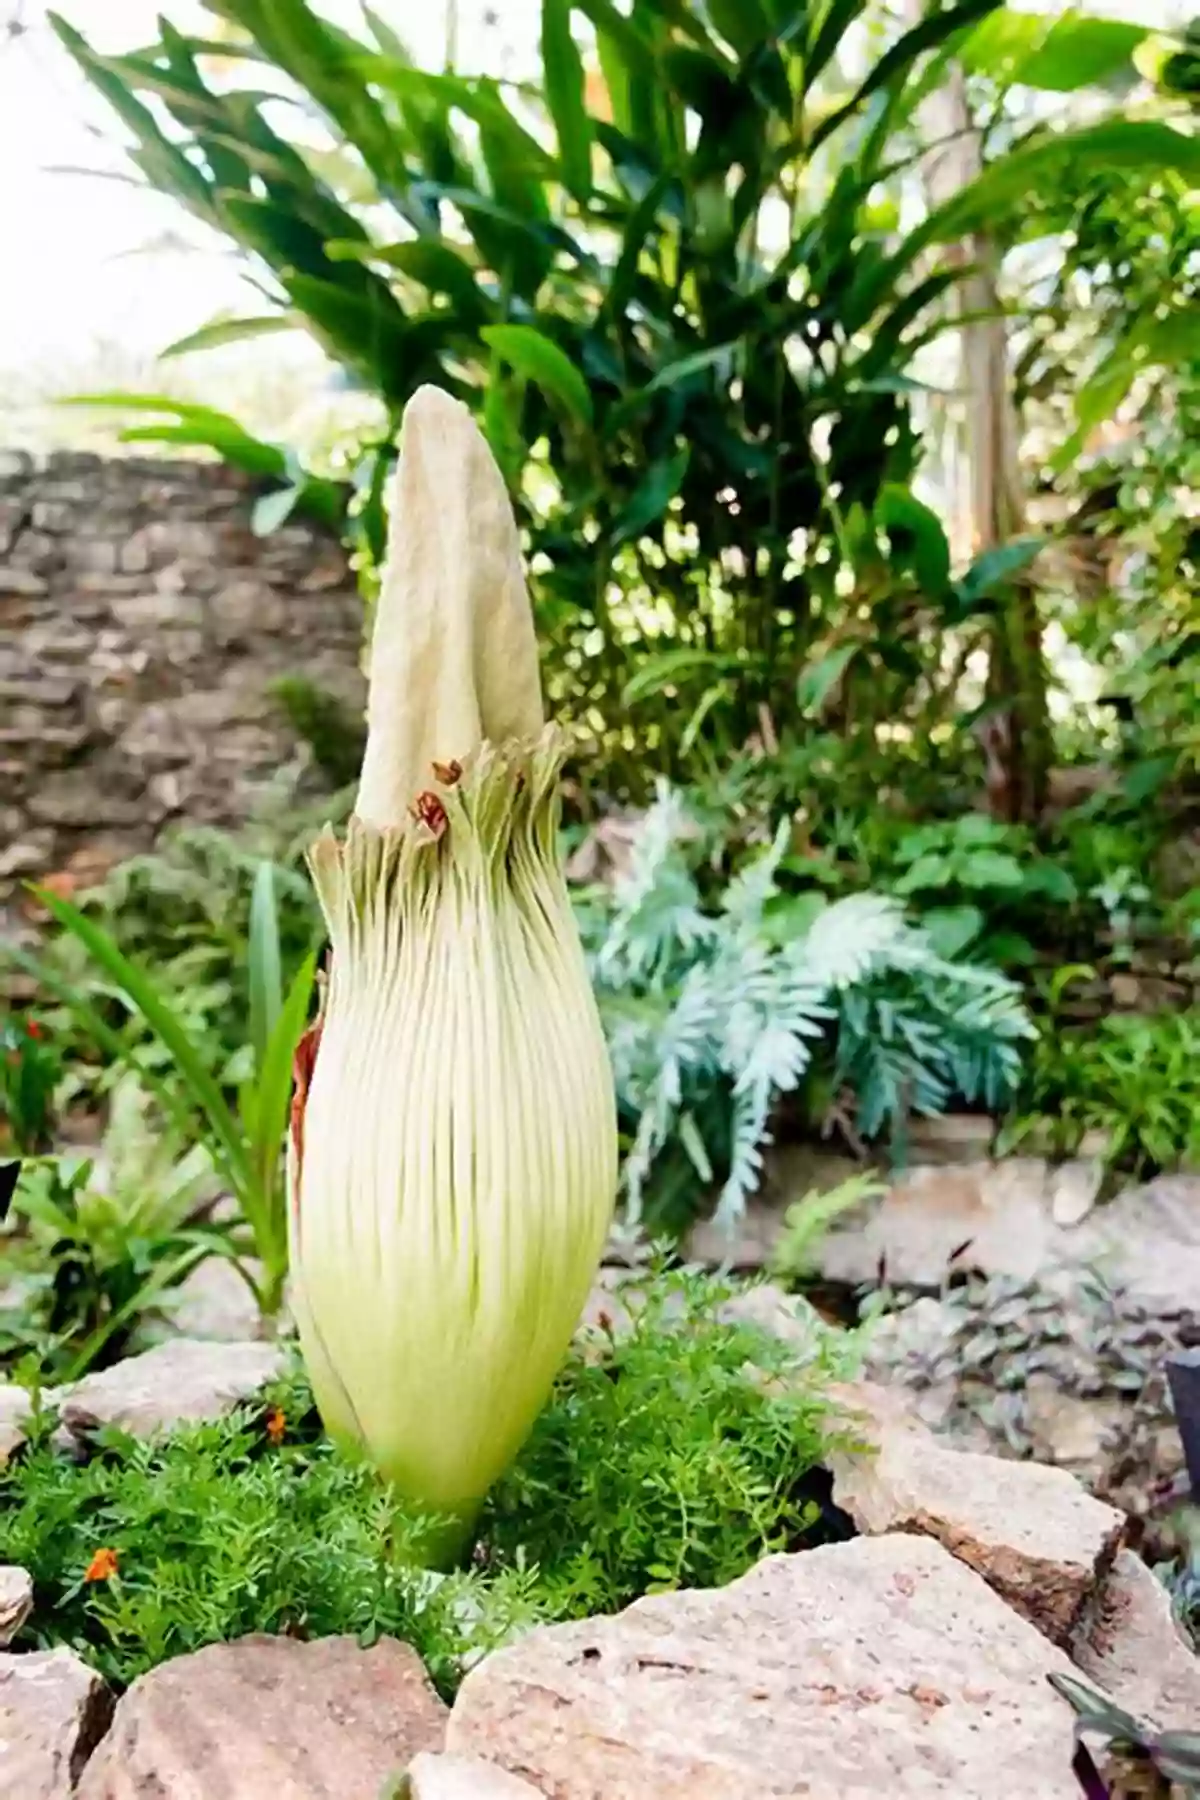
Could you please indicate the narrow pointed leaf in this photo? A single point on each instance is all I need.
(536, 356)
(562, 73)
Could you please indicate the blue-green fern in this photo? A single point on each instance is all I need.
(713, 1012)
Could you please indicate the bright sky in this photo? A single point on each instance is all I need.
(78, 272)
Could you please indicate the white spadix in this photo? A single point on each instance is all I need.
(453, 1159)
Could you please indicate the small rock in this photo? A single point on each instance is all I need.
(16, 1601)
(951, 1138)
(1033, 1533)
(14, 1417)
(53, 1712)
(268, 1717)
(787, 1316)
(434, 1777)
(1072, 1431)
(993, 1217)
(181, 1380)
(214, 1302)
(1130, 1645)
(1074, 1190)
(879, 1666)
(23, 582)
(1145, 1242)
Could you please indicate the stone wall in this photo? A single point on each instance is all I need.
(142, 624)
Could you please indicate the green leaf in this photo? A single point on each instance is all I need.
(162, 162)
(668, 668)
(231, 331)
(818, 679)
(917, 536)
(653, 494)
(670, 376)
(933, 31)
(199, 425)
(537, 357)
(991, 869)
(1001, 193)
(836, 19)
(264, 961)
(994, 569)
(162, 1019)
(270, 511)
(562, 73)
(1060, 55)
(928, 872)
(952, 928)
(438, 268)
(1156, 343)
(638, 227)
(502, 423)
(742, 23)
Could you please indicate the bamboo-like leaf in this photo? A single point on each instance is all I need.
(536, 356)
(562, 74)
(231, 331)
(999, 195)
(928, 35)
(1060, 55)
(638, 227)
(653, 494)
(836, 20)
(160, 1016)
(742, 23)
(439, 269)
(163, 161)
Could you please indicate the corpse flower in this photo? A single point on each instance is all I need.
(453, 1156)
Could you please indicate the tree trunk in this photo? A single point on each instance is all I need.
(1018, 737)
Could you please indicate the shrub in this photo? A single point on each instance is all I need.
(663, 1458)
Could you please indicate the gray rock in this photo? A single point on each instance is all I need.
(53, 1712)
(880, 1666)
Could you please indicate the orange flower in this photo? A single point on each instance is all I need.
(102, 1567)
(276, 1424)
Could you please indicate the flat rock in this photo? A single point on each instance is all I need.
(434, 1777)
(879, 1666)
(1021, 1216)
(53, 1712)
(1033, 1533)
(1130, 1645)
(185, 1379)
(1025, 1218)
(269, 1718)
(16, 1601)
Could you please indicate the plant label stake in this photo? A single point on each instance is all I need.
(1183, 1375)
